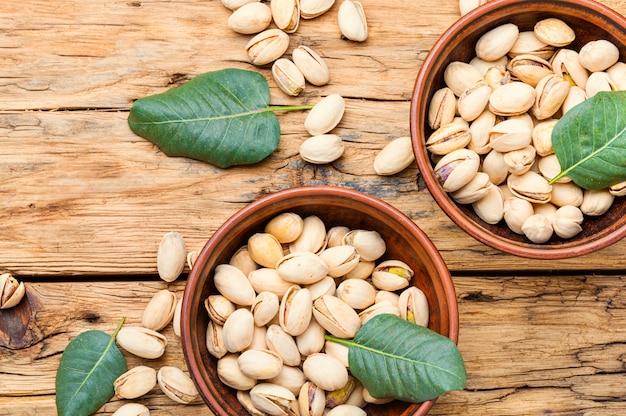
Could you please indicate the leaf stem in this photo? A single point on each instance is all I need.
(119, 326)
(277, 108)
(346, 342)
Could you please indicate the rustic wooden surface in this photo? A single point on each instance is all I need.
(84, 202)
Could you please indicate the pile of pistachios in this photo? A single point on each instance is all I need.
(281, 293)
(493, 121)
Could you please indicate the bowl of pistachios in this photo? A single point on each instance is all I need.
(517, 123)
(315, 300)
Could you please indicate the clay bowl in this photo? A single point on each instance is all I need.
(591, 21)
(335, 206)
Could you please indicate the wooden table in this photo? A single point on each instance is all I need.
(84, 202)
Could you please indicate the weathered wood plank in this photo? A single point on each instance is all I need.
(532, 345)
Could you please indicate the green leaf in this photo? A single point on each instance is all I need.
(89, 365)
(394, 358)
(221, 117)
(590, 141)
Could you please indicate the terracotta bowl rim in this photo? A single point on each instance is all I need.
(451, 209)
(192, 357)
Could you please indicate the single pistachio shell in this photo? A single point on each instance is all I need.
(295, 310)
(495, 43)
(311, 400)
(286, 227)
(617, 73)
(310, 9)
(362, 270)
(291, 378)
(566, 194)
(474, 190)
(379, 308)
(352, 21)
(219, 308)
(288, 77)
(551, 92)
(511, 99)
(336, 316)
(231, 283)
(575, 96)
(325, 371)
(442, 108)
(142, 342)
(132, 409)
(368, 398)
(311, 65)
(357, 293)
(243, 397)
(176, 385)
(272, 399)
(11, 291)
(243, 260)
(266, 279)
(171, 256)
(494, 166)
(528, 44)
(596, 202)
(250, 18)
(542, 136)
(312, 339)
(383, 295)
(286, 14)
(554, 32)
(490, 208)
(229, 373)
(267, 46)
(479, 132)
(456, 169)
(473, 101)
(519, 161)
(322, 149)
(259, 336)
(459, 76)
(529, 68)
(369, 244)
(159, 311)
(618, 189)
(356, 398)
(497, 76)
(449, 137)
(338, 351)
(283, 344)
(215, 340)
(325, 115)
(549, 167)
(510, 134)
(537, 228)
(547, 210)
(530, 186)
(598, 55)
(313, 236)
(260, 364)
(483, 66)
(335, 235)
(599, 81)
(567, 221)
(302, 267)
(135, 382)
(176, 319)
(265, 308)
(326, 286)
(413, 306)
(466, 6)
(516, 212)
(392, 275)
(265, 249)
(394, 157)
(566, 64)
(340, 259)
(238, 330)
(346, 410)
(236, 4)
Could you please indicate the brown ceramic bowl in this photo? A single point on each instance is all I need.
(335, 206)
(591, 21)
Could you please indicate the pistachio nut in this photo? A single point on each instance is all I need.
(250, 18)
(474, 190)
(286, 14)
(286, 227)
(356, 398)
(229, 373)
(176, 385)
(596, 202)
(466, 6)
(542, 136)
(352, 21)
(159, 311)
(142, 342)
(618, 189)
(311, 400)
(506, 192)
(549, 167)
(494, 166)
(292, 378)
(479, 132)
(528, 44)
(135, 382)
(383, 295)
(357, 293)
(547, 210)
(529, 68)
(459, 76)
(598, 55)
(231, 283)
(325, 371)
(265, 249)
(338, 351)
(449, 137)
(497, 76)
(530, 186)
(267, 46)
(176, 319)
(259, 336)
(287, 77)
(171, 256)
(243, 397)
(495, 43)
(310, 9)
(599, 81)
(302, 267)
(215, 340)
(379, 308)
(322, 149)
(311, 65)
(339, 397)
(519, 161)
(313, 236)
(456, 169)
(551, 93)
(272, 399)
(235, 4)
(413, 306)
(340, 259)
(11, 291)
(483, 66)
(295, 310)
(575, 96)
(537, 228)
(442, 108)
(260, 364)
(392, 275)
(346, 410)
(132, 409)
(219, 308)
(243, 261)
(265, 308)
(325, 115)
(283, 344)
(336, 316)
(554, 32)
(510, 134)
(567, 221)
(566, 194)
(490, 208)
(335, 234)
(473, 101)
(368, 398)
(369, 244)
(565, 63)
(268, 280)
(396, 156)
(362, 270)
(326, 286)
(516, 212)
(238, 330)
(312, 339)
(512, 99)
(617, 73)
